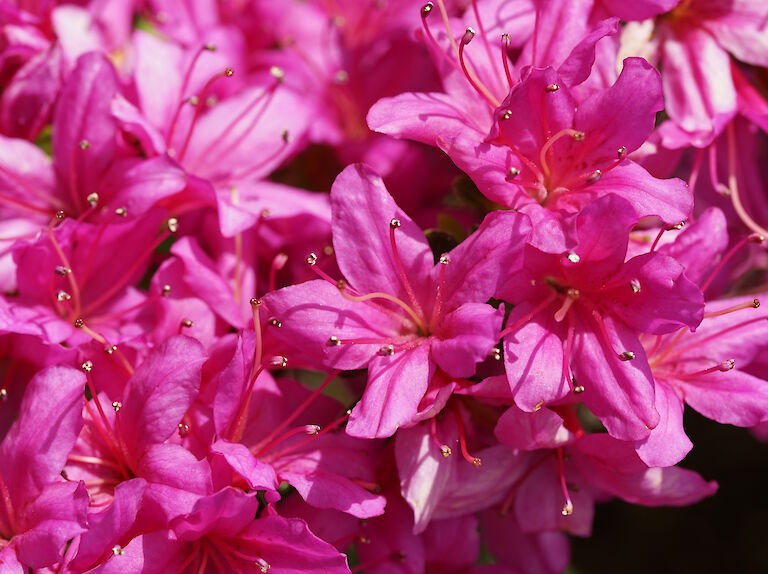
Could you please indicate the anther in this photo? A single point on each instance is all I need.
(334, 341)
(121, 212)
(60, 215)
(756, 303)
(312, 429)
(594, 176)
(756, 238)
(277, 73)
(394, 223)
(275, 322)
(229, 72)
(79, 323)
(117, 405)
(87, 366)
(62, 271)
(386, 351)
(578, 389)
(3, 395)
(63, 296)
(183, 429)
(426, 10)
(621, 152)
(626, 356)
(278, 361)
(578, 136)
(552, 88)
(726, 366)
(445, 259)
(311, 259)
(166, 290)
(468, 36)
(173, 224)
(513, 173)
(506, 115)
(635, 285)
(255, 302)
(328, 250)
(193, 101)
(84, 144)
(573, 257)
(445, 450)
(537, 406)
(567, 509)
(117, 550)
(285, 135)
(477, 462)
(210, 46)
(110, 349)
(262, 565)
(495, 354)
(341, 77)
(93, 199)
(188, 323)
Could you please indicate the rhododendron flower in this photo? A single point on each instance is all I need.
(578, 317)
(396, 312)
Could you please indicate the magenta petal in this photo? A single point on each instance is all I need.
(108, 527)
(667, 299)
(698, 88)
(258, 475)
(698, 246)
(533, 359)
(312, 312)
(476, 269)
(667, 444)
(35, 450)
(396, 385)
(669, 199)
(154, 553)
(54, 517)
(734, 397)
(323, 488)
(615, 467)
(420, 116)
(577, 67)
(623, 115)
(466, 337)
(531, 431)
(424, 472)
(290, 547)
(639, 9)
(206, 281)
(620, 393)
(159, 393)
(83, 129)
(362, 210)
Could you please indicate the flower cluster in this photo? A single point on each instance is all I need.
(542, 240)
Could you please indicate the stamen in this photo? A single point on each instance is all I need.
(753, 238)
(722, 367)
(567, 374)
(445, 259)
(342, 286)
(473, 460)
(754, 304)
(528, 316)
(395, 224)
(571, 296)
(505, 42)
(662, 231)
(484, 37)
(568, 507)
(184, 84)
(266, 442)
(69, 274)
(574, 134)
(479, 87)
(734, 187)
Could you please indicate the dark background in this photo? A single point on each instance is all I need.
(727, 533)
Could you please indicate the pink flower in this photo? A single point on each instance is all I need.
(396, 312)
(577, 317)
